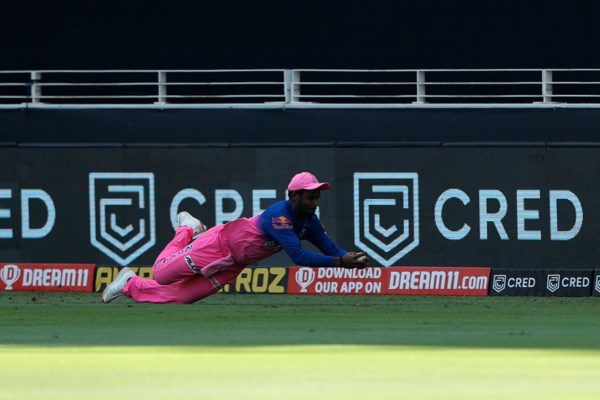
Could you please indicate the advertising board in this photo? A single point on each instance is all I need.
(442, 281)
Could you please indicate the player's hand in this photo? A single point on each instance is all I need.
(354, 259)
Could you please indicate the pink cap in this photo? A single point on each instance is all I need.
(306, 181)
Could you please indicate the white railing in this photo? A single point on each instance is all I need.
(310, 87)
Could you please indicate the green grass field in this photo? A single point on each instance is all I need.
(57, 346)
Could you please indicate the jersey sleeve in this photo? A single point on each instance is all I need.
(289, 241)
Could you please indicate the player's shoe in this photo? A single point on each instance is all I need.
(184, 218)
(115, 288)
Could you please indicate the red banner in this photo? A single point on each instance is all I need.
(442, 281)
(46, 277)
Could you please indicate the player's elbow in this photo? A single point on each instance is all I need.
(297, 260)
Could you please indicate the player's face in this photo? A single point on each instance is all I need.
(308, 200)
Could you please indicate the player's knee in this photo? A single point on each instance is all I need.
(163, 277)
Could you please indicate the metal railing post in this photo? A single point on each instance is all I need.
(547, 85)
(296, 80)
(162, 87)
(36, 89)
(421, 92)
(287, 85)
(291, 80)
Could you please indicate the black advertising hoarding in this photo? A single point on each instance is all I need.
(516, 282)
(421, 206)
(526, 282)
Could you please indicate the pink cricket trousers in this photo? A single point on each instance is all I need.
(174, 280)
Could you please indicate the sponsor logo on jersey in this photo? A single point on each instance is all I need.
(281, 223)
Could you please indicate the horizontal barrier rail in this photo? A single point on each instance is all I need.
(310, 87)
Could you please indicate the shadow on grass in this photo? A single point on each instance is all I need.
(48, 319)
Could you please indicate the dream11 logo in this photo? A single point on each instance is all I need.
(305, 276)
(386, 214)
(122, 214)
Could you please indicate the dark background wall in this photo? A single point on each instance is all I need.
(298, 34)
(323, 127)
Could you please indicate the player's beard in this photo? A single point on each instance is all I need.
(307, 211)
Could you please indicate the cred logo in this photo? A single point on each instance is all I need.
(386, 214)
(499, 283)
(555, 282)
(122, 214)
